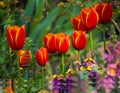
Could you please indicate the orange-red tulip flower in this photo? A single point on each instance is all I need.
(77, 23)
(15, 36)
(104, 11)
(78, 40)
(62, 42)
(89, 17)
(42, 56)
(50, 42)
(24, 57)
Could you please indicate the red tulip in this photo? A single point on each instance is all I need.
(104, 11)
(42, 56)
(78, 40)
(25, 57)
(62, 42)
(15, 36)
(50, 42)
(89, 17)
(77, 24)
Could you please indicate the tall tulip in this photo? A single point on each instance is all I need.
(50, 42)
(77, 23)
(62, 42)
(42, 56)
(24, 57)
(42, 59)
(78, 40)
(104, 11)
(15, 36)
(89, 17)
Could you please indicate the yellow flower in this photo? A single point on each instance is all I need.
(89, 68)
(82, 68)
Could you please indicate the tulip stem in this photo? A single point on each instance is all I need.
(42, 78)
(52, 58)
(91, 44)
(104, 40)
(19, 76)
(79, 56)
(62, 63)
(10, 51)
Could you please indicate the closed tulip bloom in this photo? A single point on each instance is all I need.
(62, 42)
(42, 56)
(78, 40)
(89, 17)
(50, 42)
(77, 23)
(15, 37)
(24, 57)
(104, 11)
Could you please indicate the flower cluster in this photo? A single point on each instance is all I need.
(62, 83)
(59, 42)
(91, 16)
(107, 84)
(112, 57)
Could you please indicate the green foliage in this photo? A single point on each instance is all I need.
(42, 17)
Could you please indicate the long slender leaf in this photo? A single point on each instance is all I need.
(29, 8)
(40, 29)
(39, 8)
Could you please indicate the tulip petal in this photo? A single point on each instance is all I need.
(39, 58)
(99, 8)
(64, 45)
(45, 39)
(106, 13)
(20, 37)
(74, 35)
(51, 44)
(45, 54)
(92, 19)
(75, 22)
(10, 37)
(80, 41)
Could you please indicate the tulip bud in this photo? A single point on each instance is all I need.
(24, 57)
(78, 40)
(15, 36)
(62, 42)
(42, 56)
(50, 42)
(89, 17)
(104, 11)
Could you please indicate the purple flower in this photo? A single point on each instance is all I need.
(118, 70)
(106, 84)
(62, 84)
(92, 75)
(108, 57)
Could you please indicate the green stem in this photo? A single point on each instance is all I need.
(91, 44)
(85, 50)
(62, 63)
(19, 76)
(104, 40)
(79, 55)
(34, 70)
(42, 85)
(11, 76)
(52, 58)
